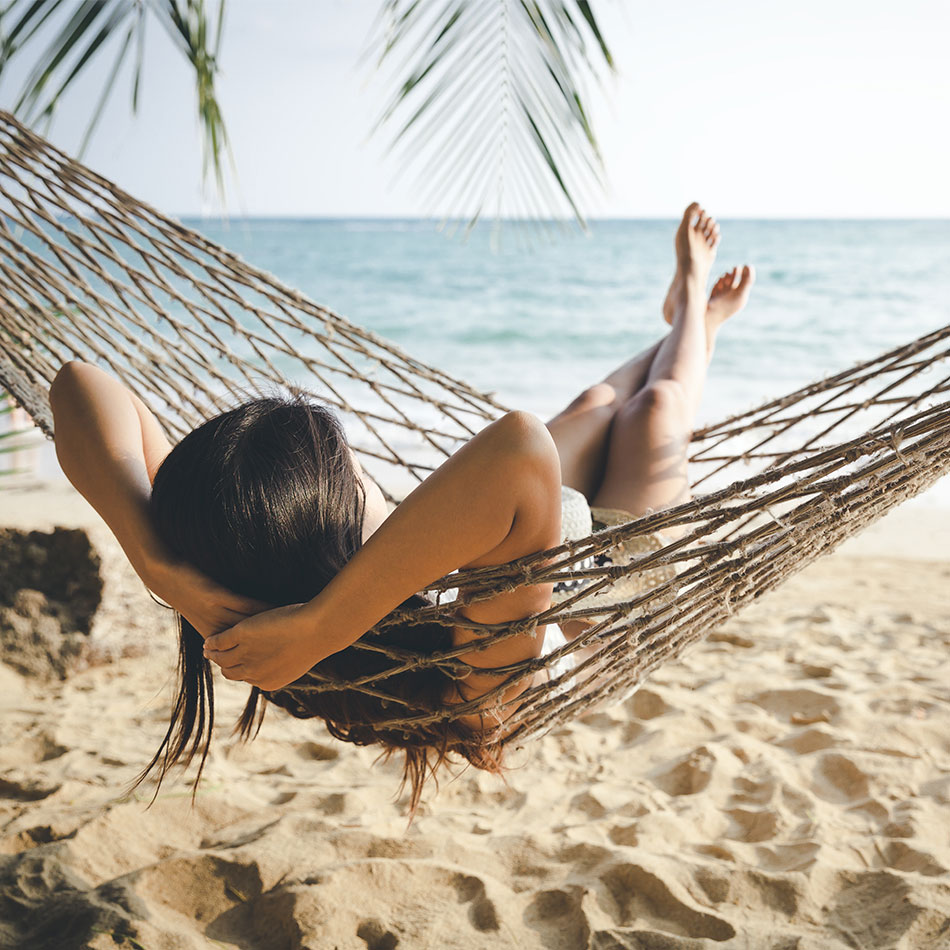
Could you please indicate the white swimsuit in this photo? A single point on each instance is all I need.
(579, 520)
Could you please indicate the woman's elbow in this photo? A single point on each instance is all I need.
(527, 435)
(534, 446)
(529, 451)
(62, 383)
(66, 378)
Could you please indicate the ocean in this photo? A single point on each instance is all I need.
(546, 313)
(534, 315)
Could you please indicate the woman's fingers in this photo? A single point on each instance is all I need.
(226, 658)
(240, 674)
(229, 660)
(219, 642)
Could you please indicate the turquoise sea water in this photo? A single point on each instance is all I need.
(541, 317)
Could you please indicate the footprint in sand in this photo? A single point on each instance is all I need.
(838, 779)
(33, 749)
(803, 741)
(559, 918)
(17, 786)
(316, 751)
(220, 895)
(631, 894)
(799, 803)
(376, 937)
(471, 890)
(589, 805)
(751, 791)
(625, 835)
(902, 857)
(690, 774)
(646, 704)
(750, 889)
(631, 731)
(752, 824)
(333, 804)
(882, 909)
(356, 896)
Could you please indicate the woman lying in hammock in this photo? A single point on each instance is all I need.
(266, 505)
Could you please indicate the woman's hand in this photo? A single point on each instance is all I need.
(268, 650)
(205, 604)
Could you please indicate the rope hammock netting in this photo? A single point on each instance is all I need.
(88, 272)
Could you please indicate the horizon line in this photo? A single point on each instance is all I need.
(278, 216)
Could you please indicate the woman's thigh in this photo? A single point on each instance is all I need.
(646, 464)
(580, 433)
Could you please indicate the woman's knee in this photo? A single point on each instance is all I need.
(662, 400)
(598, 396)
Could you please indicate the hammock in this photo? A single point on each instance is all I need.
(88, 272)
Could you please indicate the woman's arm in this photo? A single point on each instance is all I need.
(496, 499)
(109, 446)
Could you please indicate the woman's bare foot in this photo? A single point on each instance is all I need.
(729, 295)
(695, 243)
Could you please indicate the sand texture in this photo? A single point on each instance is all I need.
(784, 785)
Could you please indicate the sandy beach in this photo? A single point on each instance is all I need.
(784, 785)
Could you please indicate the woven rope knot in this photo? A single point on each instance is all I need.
(525, 573)
(897, 438)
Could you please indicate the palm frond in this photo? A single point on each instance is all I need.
(490, 102)
(189, 25)
(64, 37)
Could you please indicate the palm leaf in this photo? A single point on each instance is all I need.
(63, 38)
(490, 99)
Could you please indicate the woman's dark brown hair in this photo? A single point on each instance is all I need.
(265, 500)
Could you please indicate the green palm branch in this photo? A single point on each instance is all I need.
(64, 37)
(489, 100)
(493, 97)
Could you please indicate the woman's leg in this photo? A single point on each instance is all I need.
(581, 430)
(647, 445)
(645, 449)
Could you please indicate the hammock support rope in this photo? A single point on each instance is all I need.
(88, 272)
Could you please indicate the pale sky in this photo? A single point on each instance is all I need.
(818, 108)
